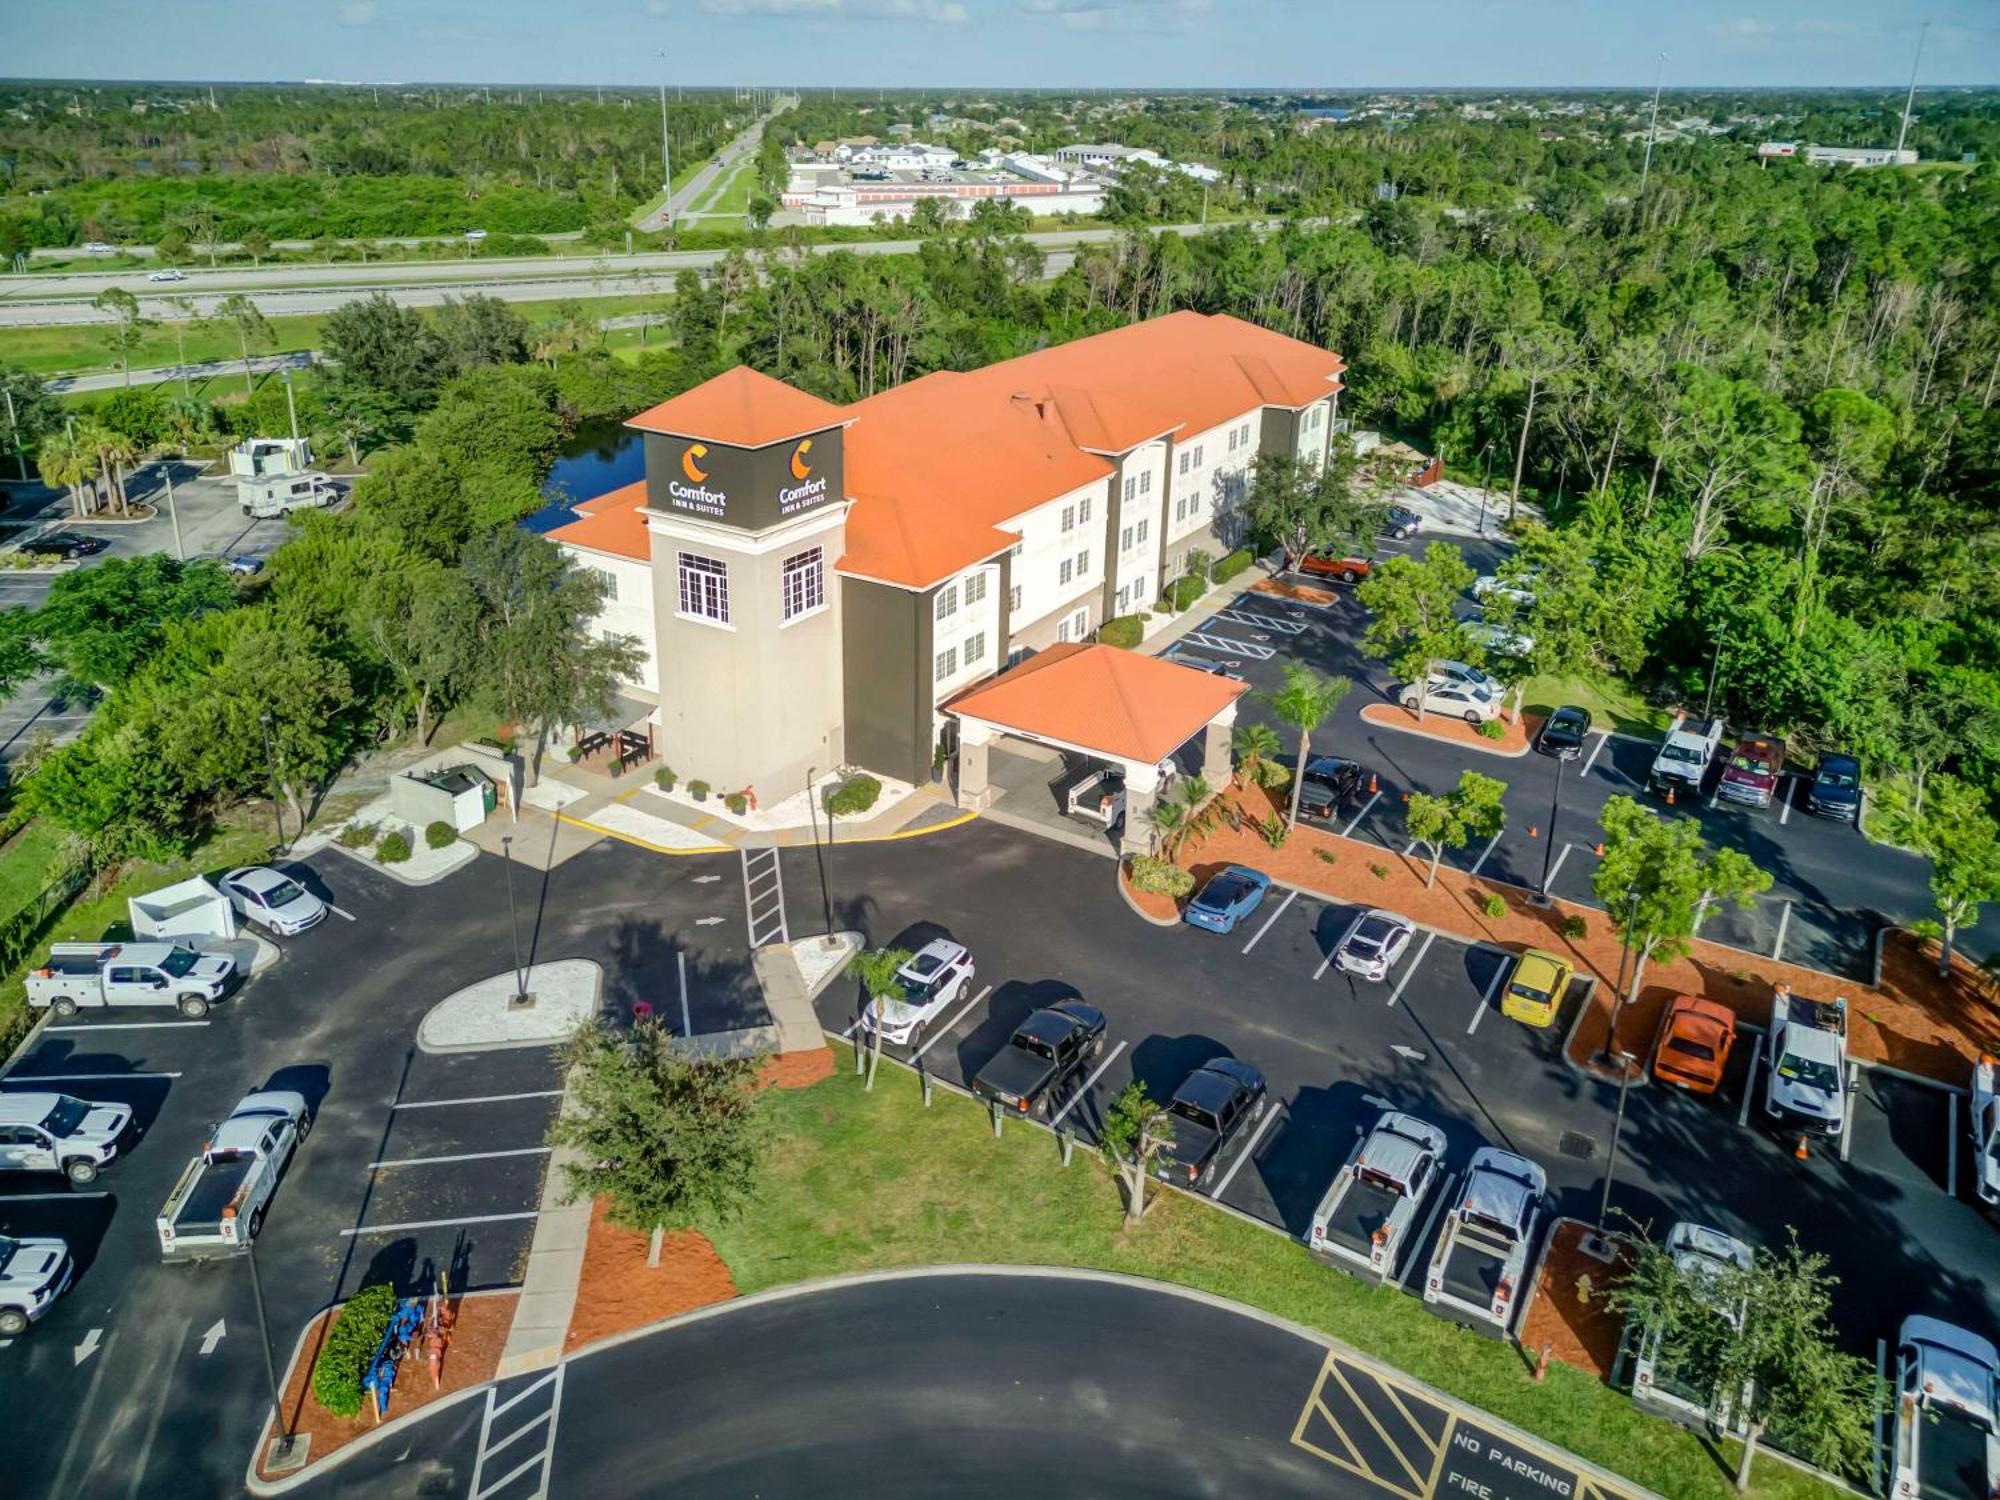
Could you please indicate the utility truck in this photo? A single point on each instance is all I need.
(1809, 1068)
(1683, 760)
(218, 1205)
(1368, 1218)
(97, 974)
(1479, 1268)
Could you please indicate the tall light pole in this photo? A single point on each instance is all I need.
(291, 401)
(1611, 1052)
(513, 921)
(14, 433)
(289, 1451)
(666, 147)
(173, 511)
(819, 853)
(1542, 897)
(1625, 1061)
(1653, 126)
(271, 764)
(1911, 97)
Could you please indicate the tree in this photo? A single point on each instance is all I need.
(28, 405)
(542, 665)
(1413, 607)
(1472, 809)
(1542, 353)
(1180, 812)
(251, 331)
(99, 625)
(388, 348)
(21, 655)
(1851, 439)
(1590, 612)
(66, 460)
(1656, 878)
(1960, 836)
(1256, 747)
(1306, 507)
(1304, 703)
(879, 971)
(1136, 1132)
(185, 316)
(359, 414)
(256, 244)
(480, 330)
(128, 326)
(661, 1135)
(199, 223)
(420, 496)
(424, 622)
(114, 451)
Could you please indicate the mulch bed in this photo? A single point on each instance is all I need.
(1519, 731)
(620, 1291)
(1578, 1332)
(796, 1070)
(476, 1342)
(1154, 904)
(1298, 593)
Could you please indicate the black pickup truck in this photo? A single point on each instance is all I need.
(1047, 1053)
(1218, 1099)
(1330, 784)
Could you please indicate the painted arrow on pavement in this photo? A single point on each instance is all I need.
(88, 1347)
(215, 1335)
(1408, 1054)
(706, 879)
(706, 921)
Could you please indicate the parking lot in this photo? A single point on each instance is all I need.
(1336, 1050)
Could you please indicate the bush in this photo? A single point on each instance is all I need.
(1160, 877)
(737, 803)
(1232, 564)
(350, 1345)
(1493, 729)
(1181, 593)
(664, 778)
(356, 836)
(698, 789)
(1575, 927)
(1325, 856)
(855, 795)
(394, 848)
(1273, 831)
(440, 834)
(1123, 631)
(1493, 904)
(1380, 872)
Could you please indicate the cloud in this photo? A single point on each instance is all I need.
(940, 12)
(359, 12)
(1742, 29)
(1124, 15)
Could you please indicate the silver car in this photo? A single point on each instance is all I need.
(274, 901)
(1372, 944)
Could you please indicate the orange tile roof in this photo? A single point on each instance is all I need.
(743, 408)
(1103, 699)
(611, 522)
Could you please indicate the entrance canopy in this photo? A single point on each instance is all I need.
(1101, 700)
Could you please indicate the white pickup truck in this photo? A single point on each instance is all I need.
(1368, 1217)
(1809, 1069)
(1481, 1261)
(1684, 759)
(96, 974)
(218, 1205)
(33, 1273)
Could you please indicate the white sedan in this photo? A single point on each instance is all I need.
(1459, 700)
(168, 276)
(1372, 944)
(938, 974)
(275, 902)
(1492, 586)
(1986, 1130)
(1499, 640)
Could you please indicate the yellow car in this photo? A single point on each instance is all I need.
(1536, 988)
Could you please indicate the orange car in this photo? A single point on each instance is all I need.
(1694, 1044)
(1340, 569)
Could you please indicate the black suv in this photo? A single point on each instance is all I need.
(65, 545)
(1836, 787)
(1217, 1101)
(1045, 1056)
(1563, 734)
(1330, 784)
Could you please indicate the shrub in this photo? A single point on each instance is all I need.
(664, 779)
(1575, 927)
(1273, 831)
(737, 803)
(356, 836)
(1123, 631)
(1493, 729)
(853, 796)
(1493, 904)
(1380, 872)
(1160, 877)
(575, 753)
(1231, 564)
(440, 834)
(1181, 593)
(699, 789)
(350, 1345)
(1325, 856)
(394, 848)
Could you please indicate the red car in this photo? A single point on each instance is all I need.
(1751, 777)
(1694, 1044)
(1339, 569)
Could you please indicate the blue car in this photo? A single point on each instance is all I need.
(1230, 896)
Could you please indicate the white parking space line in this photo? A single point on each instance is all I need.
(1249, 1150)
(1084, 1087)
(1229, 645)
(1411, 967)
(1430, 1220)
(130, 1026)
(1491, 844)
(1270, 921)
(1603, 738)
(49, 1197)
(1408, 847)
(1750, 1083)
(348, 1234)
(1262, 622)
(1784, 921)
(945, 1030)
(1713, 795)
(473, 1099)
(82, 1077)
(432, 1161)
(1374, 797)
(1556, 868)
(1486, 1000)
(1951, 1143)
(1325, 963)
(338, 912)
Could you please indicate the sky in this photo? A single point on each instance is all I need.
(1297, 44)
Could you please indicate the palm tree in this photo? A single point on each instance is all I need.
(64, 460)
(1180, 812)
(114, 452)
(1255, 745)
(876, 968)
(189, 418)
(1304, 702)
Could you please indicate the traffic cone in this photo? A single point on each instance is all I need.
(1598, 848)
(1670, 796)
(1534, 831)
(1802, 1153)
(1374, 784)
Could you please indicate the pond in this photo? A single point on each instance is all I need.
(598, 457)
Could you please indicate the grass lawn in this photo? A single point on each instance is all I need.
(78, 348)
(1609, 700)
(731, 195)
(842, 1191)
(26, 862)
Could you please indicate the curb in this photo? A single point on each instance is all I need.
(443, 1049)
(1487, 748)
(1138, 910)
(390, 870)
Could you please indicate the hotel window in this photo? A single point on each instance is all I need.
(1146, 482)
(802, 584)
(1142, 531)
(1197, 455)
(975, 648)
(975, 589)
(1125, 540)
(1246, 434)
(1083, 509)
(1232, 440)
(947, 662)
(1083, 562)
(947, 603)
(1065, 573)
(704, 588)
(1124, 598)
(1131, 489)
(1069, 518)
(1014, 599)
(1075, 628)
(1186, 454)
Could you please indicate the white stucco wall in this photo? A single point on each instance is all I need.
(628, 609)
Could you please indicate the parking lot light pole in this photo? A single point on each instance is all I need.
(1625, 1061)
(513, 921)
(1542, 898)
(289, 1451)
(173, 511)
(819, 852)
(271, 764)
(1610, 1052)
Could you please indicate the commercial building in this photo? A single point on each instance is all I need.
(1839, 156)
(1112, 158)
(814, 584)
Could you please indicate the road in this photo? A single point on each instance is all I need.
(958, 1383)
(111, 380)
(696, 187)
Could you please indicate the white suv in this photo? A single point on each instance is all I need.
(55, 1133)
(938, 974)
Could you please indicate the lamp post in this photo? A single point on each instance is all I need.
(1485, 480)
(289, 1451)
(1652, 127)
(819, 853)
(666, 149)
(291, 401)
(1714, 663)
(1542, 898)
(1610, 1053)
(1625, 1061)
(14, 435)
(513, 921)
(271, 764)
(173, 511)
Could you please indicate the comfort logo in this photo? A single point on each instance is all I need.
(800, 468)
(690, 467)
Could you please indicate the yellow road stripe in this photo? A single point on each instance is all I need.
(1416, 1479)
